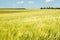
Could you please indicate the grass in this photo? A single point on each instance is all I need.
(30, 25)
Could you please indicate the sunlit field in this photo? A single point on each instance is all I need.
(43, 24)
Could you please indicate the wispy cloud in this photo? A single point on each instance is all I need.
(49, 1)
(20, 2)
(31, 2)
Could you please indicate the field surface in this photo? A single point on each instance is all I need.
(30, 24)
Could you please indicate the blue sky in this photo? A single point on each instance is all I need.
(29, 3)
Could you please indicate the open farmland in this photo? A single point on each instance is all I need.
(41, 24)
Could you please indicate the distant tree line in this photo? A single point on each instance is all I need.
(12, 8)
(49, 8)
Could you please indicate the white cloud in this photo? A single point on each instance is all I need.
(20, 2)
(31, 2)
(49, 0)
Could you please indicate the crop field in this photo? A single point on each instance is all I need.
(43, 24)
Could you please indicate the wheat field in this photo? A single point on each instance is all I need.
(43, 24)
